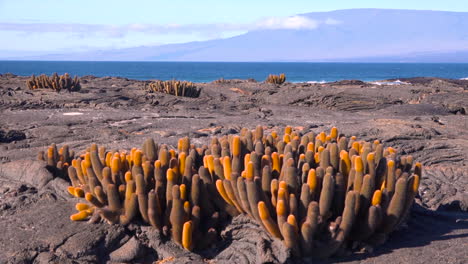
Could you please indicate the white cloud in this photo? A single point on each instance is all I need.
(293, 22)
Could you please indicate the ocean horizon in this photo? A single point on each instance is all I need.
(210, 71)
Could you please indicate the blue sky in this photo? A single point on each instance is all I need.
(80, 25)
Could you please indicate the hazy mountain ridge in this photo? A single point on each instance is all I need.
(344, 35)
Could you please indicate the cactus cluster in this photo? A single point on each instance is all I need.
(276, 79)
(170, 190)
(175, 87)
(57, 160)
(54, 82)
(321, 194)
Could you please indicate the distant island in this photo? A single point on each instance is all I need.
(353, 35)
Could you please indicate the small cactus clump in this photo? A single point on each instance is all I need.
(162, 187)
(57, 160)
(174, 87)
(55, 82)
(276, 79)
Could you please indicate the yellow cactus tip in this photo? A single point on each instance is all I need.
(358, 164)
(115, 165)
(263, 211)
(371, 156)
(416, 183)
(334, 132)
(377, 197)
(82, 206)
(71, 190)
(80, 216)
(250, 170)
(187, 232)
(183, 192)
(288, 130)
(280, 208)
(310, 146)
(170, 175)
(128, 176)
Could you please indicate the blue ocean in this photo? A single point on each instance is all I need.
(209, 71)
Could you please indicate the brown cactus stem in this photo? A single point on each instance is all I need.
(96, 163)
(293, 206)
(291, 239)
(142, 196)
(160, 184)
(253, 197)
(304, 202)
(380, 172)
(187, 174)
(100, 195)
(396, 206)
(130, 210)
(242, 188)
(306, 241)
(266, 180)
(92, 180)
(352, 173)
(344, 229)
(222, 191)
(206, 202)
(412, 191)
(93, 200)
(154, 210)
(339, 195)
(196, 218)
(326, 196)
(177, 215)
(334, 157)
(267, 221)
(292, 180)
(230, 193)
(371, 222)
(113, 198)
(218, 169)
(281, 214)
(150, 150)
(233, 181)
(195, 191)
(366, 193)
(73, 176)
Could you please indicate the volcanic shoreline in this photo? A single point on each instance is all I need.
(422, 117)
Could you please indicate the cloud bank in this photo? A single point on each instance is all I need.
(271, 23)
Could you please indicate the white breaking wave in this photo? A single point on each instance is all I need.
(464, 79)
(315, 82)
(397, 82)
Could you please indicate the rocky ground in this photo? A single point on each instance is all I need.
(425, 118)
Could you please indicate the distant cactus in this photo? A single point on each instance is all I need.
(276, 79)
(174, 87)
(54, 82)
